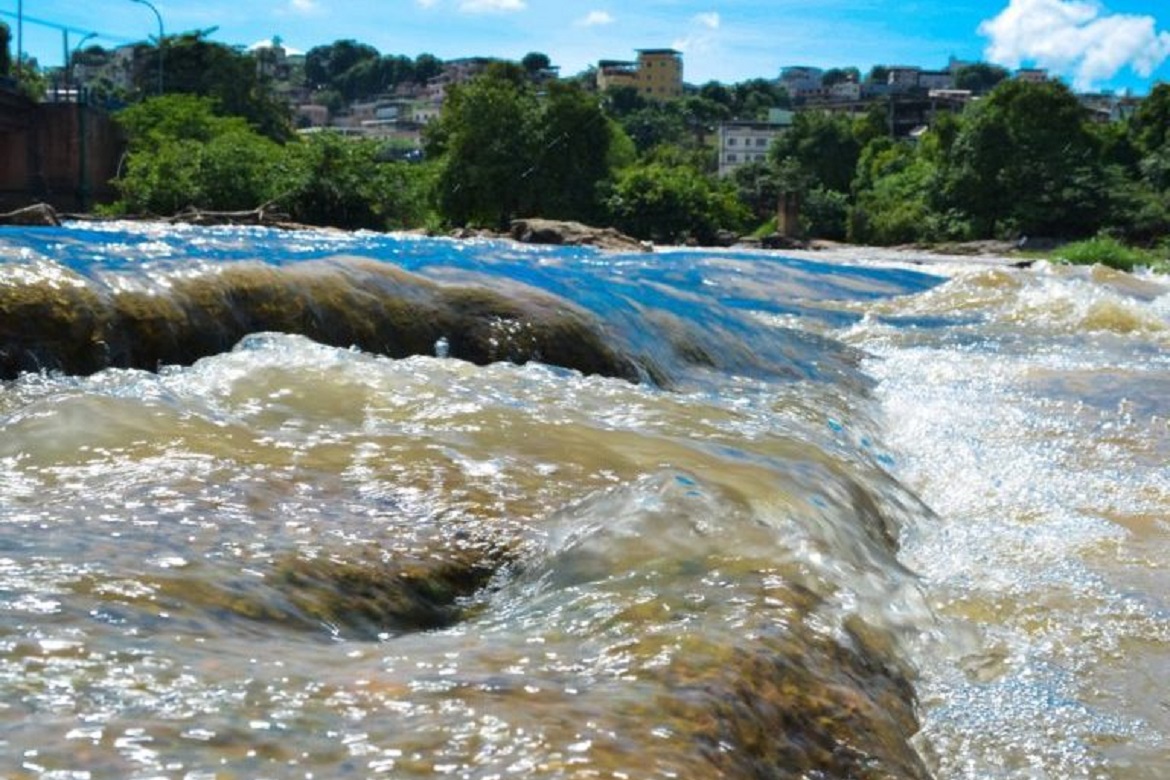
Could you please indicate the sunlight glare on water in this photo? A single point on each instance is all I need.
(856, 484)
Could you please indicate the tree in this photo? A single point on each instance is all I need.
(426, 67)
(674, 203)
(573, 154)
(824, 146)
(535, 62)
(753, 98)
(1150, 124)
(1023, 161)
(5, 54)
(325, 65)
(487, 137)
(758, 186)
(623, 101)
(196, 66)
(894, 195)
(655, 125)
(834, 76)
(980, 77)
(181, 153)
(347, 183)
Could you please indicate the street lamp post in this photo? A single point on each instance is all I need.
(73, 57)
(158, 16)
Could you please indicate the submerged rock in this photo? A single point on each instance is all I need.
(37, 215)
(371, 595)
(364, 595)
(80, 327)
(567, 233)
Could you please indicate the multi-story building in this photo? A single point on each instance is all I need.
(741, 143)
(903, 78)
(657, 74)
(802, 80)
(935, 79)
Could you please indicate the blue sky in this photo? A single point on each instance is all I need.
(1113, 44)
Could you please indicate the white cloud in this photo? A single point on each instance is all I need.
(1077, 39)
(425, 3)
(709, 20)
(304, 7)
(595, 19)
(491, 6)
(701, 36)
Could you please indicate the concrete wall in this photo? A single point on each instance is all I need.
(42, 149)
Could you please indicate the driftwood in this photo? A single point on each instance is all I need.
(266, 215)
(38, 215)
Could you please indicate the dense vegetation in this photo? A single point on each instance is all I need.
(1023, 161)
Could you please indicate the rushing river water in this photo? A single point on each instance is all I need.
(332, 505)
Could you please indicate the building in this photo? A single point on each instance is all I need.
(455, 72)
(1032, 75)
(657, 74)
(903, 78)
(935, 79)
(616, 73)
(845, 90)
(802, 80)
(741, 143)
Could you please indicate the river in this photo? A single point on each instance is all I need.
(321, 504)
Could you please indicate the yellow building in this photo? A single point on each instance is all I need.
(657, 74)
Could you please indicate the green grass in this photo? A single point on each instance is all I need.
(766, 229)
(1104, 250)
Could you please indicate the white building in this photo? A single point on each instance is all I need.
(742, 143)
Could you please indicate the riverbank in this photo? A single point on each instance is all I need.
(548, 232)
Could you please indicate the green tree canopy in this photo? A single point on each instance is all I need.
(980, 77)
(574, 154)
(183, 153)
(1150, 125)
(326, 65)
(534, 62)
(674, 203)
(5, 53)
(824, 147)
(504, 153)
(1023, 160)
(487, 137)
(196, 66)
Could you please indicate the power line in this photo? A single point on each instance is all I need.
(64, 27)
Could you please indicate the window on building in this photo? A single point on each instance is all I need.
(732, 141)
(732, 158)
(761, 142)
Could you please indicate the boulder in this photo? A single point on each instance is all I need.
(37, 215)
(567, 233)
(779, 241)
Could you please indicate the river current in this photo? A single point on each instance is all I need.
(319, 504)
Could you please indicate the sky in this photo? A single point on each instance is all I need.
(1113, 45)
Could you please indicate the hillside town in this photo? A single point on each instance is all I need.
(912, 94)
(347, 136)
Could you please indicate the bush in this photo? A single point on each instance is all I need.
(1105, 250)
(673, 203)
